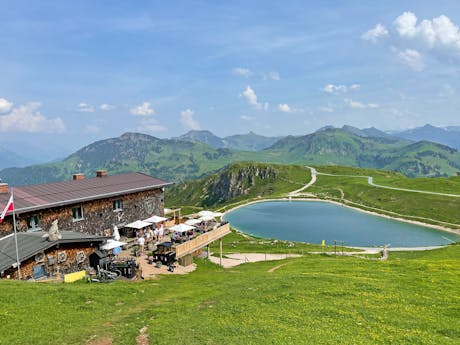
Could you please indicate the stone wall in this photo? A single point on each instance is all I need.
(56, 269)
(98, 215)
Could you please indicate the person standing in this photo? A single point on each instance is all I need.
(161, 232)
(141, 242)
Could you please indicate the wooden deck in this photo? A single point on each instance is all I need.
(201, 241)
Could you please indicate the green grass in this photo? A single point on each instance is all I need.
(236, 183)
(237, 242)
(413, 298)
(423, 207)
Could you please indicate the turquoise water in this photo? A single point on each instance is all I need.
(312, 222)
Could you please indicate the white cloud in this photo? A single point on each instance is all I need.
(413, 59)
(272, 76)
(251, 97)
(355, 87)
(106, 107)
(375, 34)
(247, 118)
(85, 107)
(28, 118)
(331, 88)
(285, 108)
(143, 109)
(360, 105)
(413, 40)
(440, 33)
(243, 72)
(5, 106)
(186, 118)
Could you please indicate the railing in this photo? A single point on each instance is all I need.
(201, 241)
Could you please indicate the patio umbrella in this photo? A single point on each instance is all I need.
(181, 228)
(193, 221)
(155, 219)
(207, 218)
(111, 244)
(205, 213)
(138, 224)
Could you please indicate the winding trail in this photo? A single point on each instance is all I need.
(315, 173)
(312, 181)
(370, 181)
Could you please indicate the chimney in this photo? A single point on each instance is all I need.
(4, 188)
(78, 176)
(101, 173)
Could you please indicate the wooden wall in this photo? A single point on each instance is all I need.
(98, 215)
(57, 269)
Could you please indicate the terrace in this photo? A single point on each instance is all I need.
(180, 241)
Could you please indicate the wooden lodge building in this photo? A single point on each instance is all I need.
(86, 210)
(87, 205)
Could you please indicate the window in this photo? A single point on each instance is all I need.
(117, 205)
(32, 223)
(77, 213)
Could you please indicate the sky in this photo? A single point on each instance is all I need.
(75, 72)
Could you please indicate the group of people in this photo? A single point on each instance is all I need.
(144, 237)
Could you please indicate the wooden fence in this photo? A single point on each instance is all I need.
(201, 241)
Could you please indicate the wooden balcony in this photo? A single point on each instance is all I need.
(201, 241)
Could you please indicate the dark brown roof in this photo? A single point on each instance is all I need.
(31, 243)
(40, 196)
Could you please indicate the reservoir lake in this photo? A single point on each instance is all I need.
(312, 222)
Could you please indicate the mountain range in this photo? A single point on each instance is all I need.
(177, 159)
(245, 142)
(10, 158)
(449, 136)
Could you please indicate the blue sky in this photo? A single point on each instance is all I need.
(74, 72)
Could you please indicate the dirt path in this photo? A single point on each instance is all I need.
(370, 181)
(312, 181)
(232, 260)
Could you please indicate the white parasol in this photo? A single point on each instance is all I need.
(138, 224)
(112, 244)
(181, 227)
(193, 221)
(155, 219)
(207, 218)
(205, 213)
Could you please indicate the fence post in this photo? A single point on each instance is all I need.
(220, 246)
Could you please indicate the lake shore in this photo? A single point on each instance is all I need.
(415, 222)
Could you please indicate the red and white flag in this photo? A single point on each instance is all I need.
(9, 208)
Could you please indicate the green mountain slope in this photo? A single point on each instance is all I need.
(243, 182)
(250, 141)
(237, 182)
(172, 160)
(423, 158)
(205, 137)
(245, 142)
(176, 160)
(333, 146)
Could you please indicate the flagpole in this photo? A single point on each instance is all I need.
(16, 237)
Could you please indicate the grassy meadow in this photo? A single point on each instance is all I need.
(433, 209)
(413, 298)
